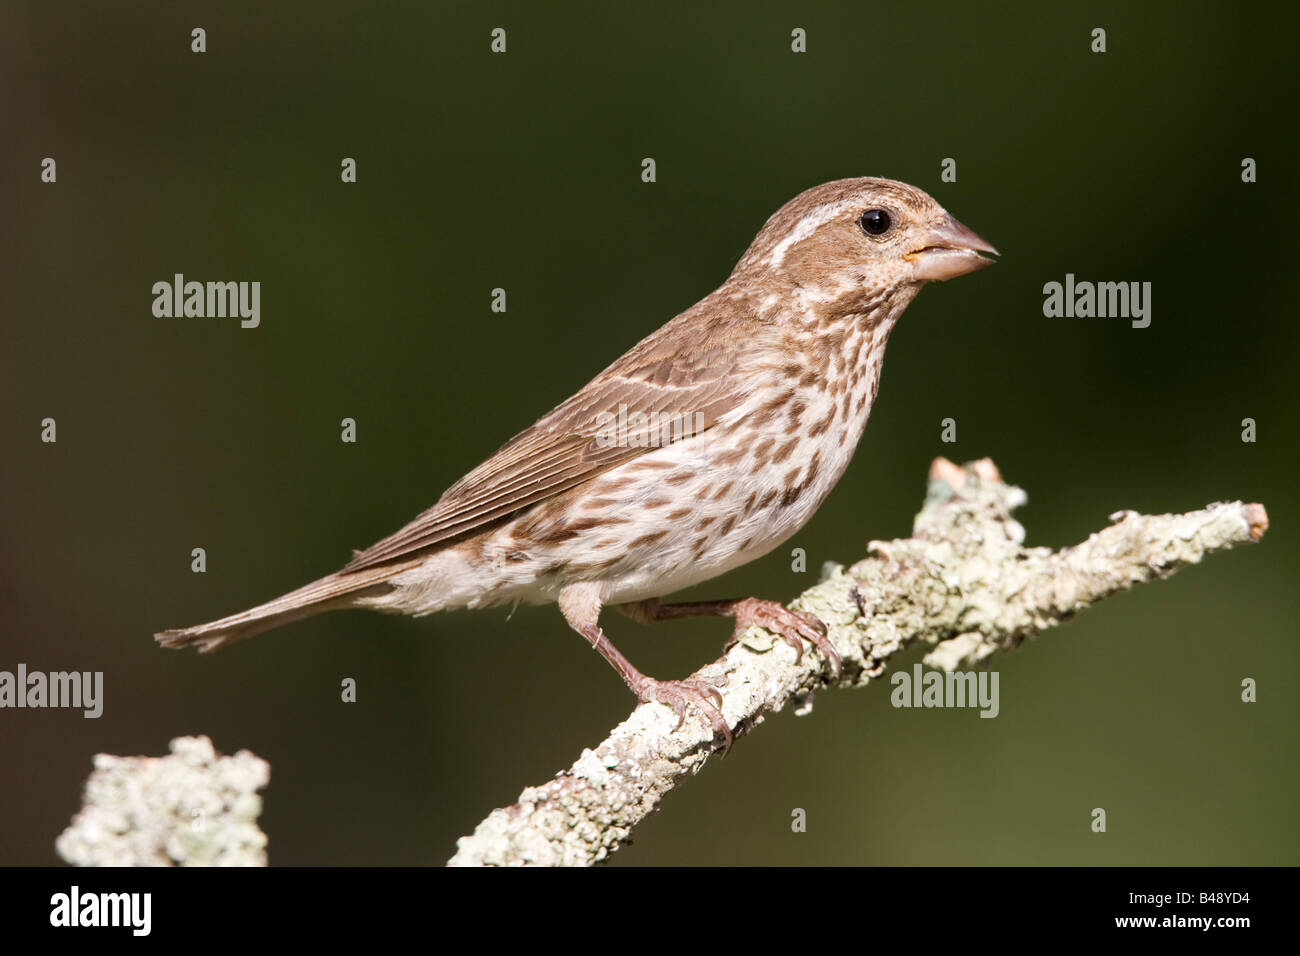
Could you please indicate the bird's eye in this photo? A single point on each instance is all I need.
(875, 222)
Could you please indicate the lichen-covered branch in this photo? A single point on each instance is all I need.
(963, 584)
(192, 808)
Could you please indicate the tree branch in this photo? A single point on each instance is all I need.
(193, 807)
(962, 584)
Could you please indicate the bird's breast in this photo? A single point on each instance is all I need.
(691, 510)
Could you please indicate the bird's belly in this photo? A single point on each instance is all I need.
(763, 509)
(677, 515)
(693, 510)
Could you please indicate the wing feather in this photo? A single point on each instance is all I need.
(692, 366)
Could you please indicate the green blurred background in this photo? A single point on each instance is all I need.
(522, 171)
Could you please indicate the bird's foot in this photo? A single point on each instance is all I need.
(794, 626)
(677, 694)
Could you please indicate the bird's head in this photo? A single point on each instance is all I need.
(843, 245)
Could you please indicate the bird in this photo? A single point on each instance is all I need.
(705, 446)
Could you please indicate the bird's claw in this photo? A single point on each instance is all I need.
(678, 693)
(794, 627)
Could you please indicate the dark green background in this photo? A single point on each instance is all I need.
(523, 171)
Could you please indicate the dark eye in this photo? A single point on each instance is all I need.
(875, 222)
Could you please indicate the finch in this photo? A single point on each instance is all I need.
(705, 446)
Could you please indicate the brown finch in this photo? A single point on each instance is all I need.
(702, 448)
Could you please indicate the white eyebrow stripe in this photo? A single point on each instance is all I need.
(806, 227)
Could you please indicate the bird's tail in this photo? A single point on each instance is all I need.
(329, 593)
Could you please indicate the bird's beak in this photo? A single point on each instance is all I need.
(950, 250)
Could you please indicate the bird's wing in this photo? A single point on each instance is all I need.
(691, 367)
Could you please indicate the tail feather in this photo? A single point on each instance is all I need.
(329, 593)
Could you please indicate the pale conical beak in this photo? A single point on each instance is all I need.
(950, 250)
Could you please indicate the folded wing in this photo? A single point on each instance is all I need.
(688, 368)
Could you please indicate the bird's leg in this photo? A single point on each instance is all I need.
(794, 626)
(581, 608)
